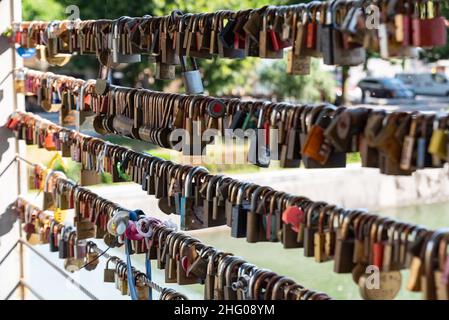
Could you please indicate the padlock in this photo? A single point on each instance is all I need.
(291, 148)
(63, 245)
(311, 226)
(143, 292)
(19, 81)
(268, 39)
(186, 253)
(259, 149)
(239, 213)
(429, 286)
(344, 247)
(117, 56)
(191, 217)
(255, 229)
(230, 276)
(80, 249)
(318, 152)
(429, 30)
(438, 142)
(191, 79)
(334, 52)
(214, 215)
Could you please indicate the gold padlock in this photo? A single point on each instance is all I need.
(438, 144)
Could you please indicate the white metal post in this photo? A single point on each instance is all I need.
(11, 272)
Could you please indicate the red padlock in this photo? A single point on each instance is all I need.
(49, 142)
(274, 40)
(429, 30)
(311, 35)
(379, 231)
(12, 123)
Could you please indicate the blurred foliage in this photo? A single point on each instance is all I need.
(72, 170)
(353, 157)
(318, 86)
(42, 10)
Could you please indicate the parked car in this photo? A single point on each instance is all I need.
(431, 84)
(384, 88)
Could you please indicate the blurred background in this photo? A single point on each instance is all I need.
(395, 84)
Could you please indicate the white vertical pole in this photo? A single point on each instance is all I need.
(11, 271)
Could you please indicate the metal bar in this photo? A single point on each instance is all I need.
(19, 157)
(6, 77)
(9, 252)
(62, 272)
(34, 292)
(7, 167)
(12, 291)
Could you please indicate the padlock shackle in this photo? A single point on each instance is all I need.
(189, 180)
(311, 210)
(173, 239)
(363, 224)
(230, 268)
(187, 242)
(211, 186)
(281, 282)
(322, 216)
(431, 247)
(255, 196)
(256, 289)
(349, 218)
(396, 231)
(113, 259)
(381, 226)
(241, 192)
(222, 265)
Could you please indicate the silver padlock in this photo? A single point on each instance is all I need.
(117, 56)
(191, 79)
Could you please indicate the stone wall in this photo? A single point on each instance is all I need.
(356, 187)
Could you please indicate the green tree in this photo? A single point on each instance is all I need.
(318, 86)
(42, 10)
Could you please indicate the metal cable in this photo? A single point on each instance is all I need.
(7, 167)
(96, 258)
(62, 272)
(19, 157)
(9, 252)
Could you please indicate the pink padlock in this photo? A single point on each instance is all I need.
(293, 216)
(131, 231)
